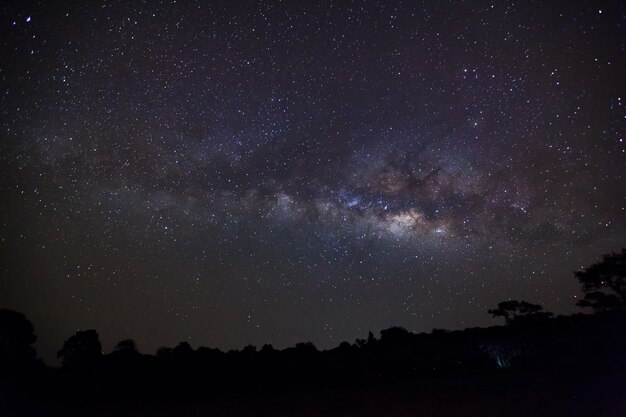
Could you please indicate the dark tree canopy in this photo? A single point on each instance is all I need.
(518, 311)
(306, 348)
(267, 348)
(16, 338)
(604, 283)
(126, 345)
(395, 335)
(183, 349)
(81, 349)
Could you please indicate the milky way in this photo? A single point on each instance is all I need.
(273, 172)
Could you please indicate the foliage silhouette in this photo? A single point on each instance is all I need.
(519, 311)
(81, 350)
(16, 339)
(126, 346)
(604, 283)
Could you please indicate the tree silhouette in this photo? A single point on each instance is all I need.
(82, 349)
(306, 348)
(16, 339)
(126, 346)
(249, 350)
(604, 283)
(164, 352)
(395, 336)
(268, 349)
(183, 350)
(519, 311)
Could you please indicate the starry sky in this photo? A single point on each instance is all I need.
(228, 173)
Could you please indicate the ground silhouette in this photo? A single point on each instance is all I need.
(535, 365)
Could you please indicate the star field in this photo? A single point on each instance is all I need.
(230, 173)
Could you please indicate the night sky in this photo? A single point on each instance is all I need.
(228, 173)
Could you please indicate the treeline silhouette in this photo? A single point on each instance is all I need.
(532, 341)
